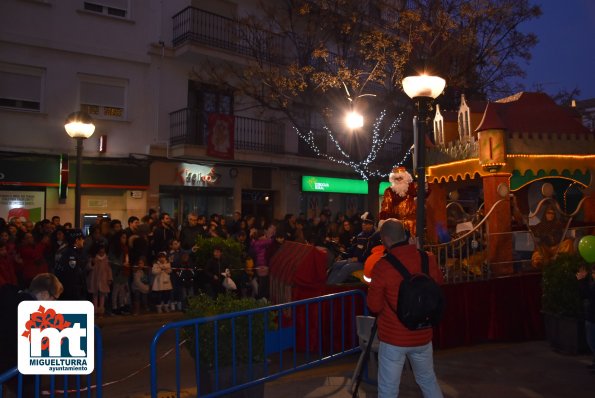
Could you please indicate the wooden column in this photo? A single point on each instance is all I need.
(435, 211)
(589, 209)
(499, 224)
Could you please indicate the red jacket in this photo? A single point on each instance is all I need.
(33, 261)
(384, 289)
(8, 274)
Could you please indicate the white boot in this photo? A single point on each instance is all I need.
(172, 307)
(159, 308)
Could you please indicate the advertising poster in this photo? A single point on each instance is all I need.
(26, 205)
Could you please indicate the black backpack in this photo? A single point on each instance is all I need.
(421, 303)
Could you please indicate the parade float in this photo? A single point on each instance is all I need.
(493, 171)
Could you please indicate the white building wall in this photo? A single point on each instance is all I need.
(66, 42)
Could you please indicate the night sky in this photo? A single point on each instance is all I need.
(564, 58)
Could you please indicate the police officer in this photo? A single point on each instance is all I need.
(71, 267)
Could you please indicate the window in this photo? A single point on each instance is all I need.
(206, 99)
(21, 87)
(116, 8)
(104, 98)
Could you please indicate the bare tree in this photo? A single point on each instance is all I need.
(310, 60)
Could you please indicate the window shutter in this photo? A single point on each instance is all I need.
(20, 87)
(119, 4)
(102, 95)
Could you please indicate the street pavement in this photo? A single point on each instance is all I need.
(530, 369)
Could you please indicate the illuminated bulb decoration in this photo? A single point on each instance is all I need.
(363, 168)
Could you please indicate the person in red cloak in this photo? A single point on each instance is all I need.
(399, 200)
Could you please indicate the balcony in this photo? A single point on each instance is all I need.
(193, 25)
(189, 127)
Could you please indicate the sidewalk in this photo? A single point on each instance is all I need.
(530, 369)
(524, 370)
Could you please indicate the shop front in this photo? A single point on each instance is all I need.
(180, 188)
(35, 187)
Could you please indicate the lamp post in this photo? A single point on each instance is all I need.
(79, 126)
(421, 89)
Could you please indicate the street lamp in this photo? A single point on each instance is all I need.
(79, 126)
(421, 89)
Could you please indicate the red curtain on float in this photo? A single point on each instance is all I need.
(297, 272)
(502, 309)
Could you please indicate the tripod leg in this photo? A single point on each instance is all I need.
(360, 364)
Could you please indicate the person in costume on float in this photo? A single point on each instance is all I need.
(548, 235)
(399, 200)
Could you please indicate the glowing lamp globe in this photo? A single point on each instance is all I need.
(423, 86)
(79, 125)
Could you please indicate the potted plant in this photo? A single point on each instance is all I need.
(562, 306)
(204, 306)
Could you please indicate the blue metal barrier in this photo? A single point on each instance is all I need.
(325, 326)
(59, 385)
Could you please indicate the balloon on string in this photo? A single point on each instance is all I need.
(586, 248)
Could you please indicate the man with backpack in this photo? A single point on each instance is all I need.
(397, 341)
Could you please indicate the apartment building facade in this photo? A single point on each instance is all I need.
(134, 66)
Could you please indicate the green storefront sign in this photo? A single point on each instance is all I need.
(338, 185)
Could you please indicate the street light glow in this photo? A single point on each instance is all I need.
(354, 120)
(423, 86)
(79, 125)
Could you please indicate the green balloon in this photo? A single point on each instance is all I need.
(586, 247)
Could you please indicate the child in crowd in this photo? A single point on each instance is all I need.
(186, 277)
(212, 271)
(118, 257)
(99, 278)
(247, 281)
(162, 286)
(175, 259)
(140, 287)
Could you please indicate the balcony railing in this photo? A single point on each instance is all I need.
(189, 127)
(196, 25)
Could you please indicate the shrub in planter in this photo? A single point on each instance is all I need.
(562, 306)
(560, 287)
(204, 306)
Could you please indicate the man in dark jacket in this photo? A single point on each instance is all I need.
(163, 234)
(191, 231)
(354, 257)
(71, 267)
(397, 342)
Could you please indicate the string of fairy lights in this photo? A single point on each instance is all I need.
(361, 167)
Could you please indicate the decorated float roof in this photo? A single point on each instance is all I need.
(542, 140)
(530, 113)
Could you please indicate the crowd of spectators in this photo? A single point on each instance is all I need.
(148, 265)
